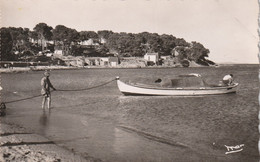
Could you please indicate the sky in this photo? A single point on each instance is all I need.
(228, 28)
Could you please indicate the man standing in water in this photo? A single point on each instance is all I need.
(46, 85)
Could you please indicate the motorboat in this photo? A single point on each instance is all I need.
(176, 87)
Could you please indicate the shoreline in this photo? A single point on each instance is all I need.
(42, 68)
(16, 144)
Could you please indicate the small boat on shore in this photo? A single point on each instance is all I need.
(175, 89)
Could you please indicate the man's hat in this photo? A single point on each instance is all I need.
(46, 73)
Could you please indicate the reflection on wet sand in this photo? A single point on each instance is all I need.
(44, 120)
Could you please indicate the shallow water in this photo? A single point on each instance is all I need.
(92, 122)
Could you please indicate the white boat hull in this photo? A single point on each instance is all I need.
(160, 91)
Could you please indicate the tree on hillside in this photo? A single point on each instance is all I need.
(102, 50)
(155, 42)
(6, 45)
(20, 39)
(168, 43)
(198, 51)
(181, 52)
(33, 35)
(112, 42)
(16, 34)
(85, 35)
(23, 37)
(145, 47)
(194, 52)
(104, 34)
(123, 43)
(44, 32)
(135, 43)
(181, 42)
(65, 37)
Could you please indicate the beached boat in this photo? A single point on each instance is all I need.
(175, 89)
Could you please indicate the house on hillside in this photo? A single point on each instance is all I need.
(113, 61)
(104, 61)
(166, 57)
(152, 58)
(92, 61)
(80, 61)
(169, 60)
(89, 42)
(175, 53)
(58, 50)
(102, 40)
(45, 44)
(70, 62)
(61, 50)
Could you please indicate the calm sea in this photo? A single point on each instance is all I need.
(104, 124)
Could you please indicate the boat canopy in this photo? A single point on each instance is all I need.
(184, 81)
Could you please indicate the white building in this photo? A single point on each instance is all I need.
(152, 57)
(103, 40)
(104, 61)
(89, 42)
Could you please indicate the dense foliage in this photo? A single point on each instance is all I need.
(19, 40)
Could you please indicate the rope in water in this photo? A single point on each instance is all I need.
(22, 99)
(86, 88)
(100, 85)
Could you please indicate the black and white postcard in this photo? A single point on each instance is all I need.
(129, 80)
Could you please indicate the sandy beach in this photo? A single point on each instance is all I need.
(17, 144)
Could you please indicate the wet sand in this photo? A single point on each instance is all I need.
(17, 144)
(99, 137)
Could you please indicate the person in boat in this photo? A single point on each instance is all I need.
(228, 79)
(46, 93)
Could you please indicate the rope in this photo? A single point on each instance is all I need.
(22, 99)
(86, 88)
(59, 90)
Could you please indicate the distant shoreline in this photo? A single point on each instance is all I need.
(42, 68)
(238, 63)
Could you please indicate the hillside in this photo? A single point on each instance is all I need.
(21, 43)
